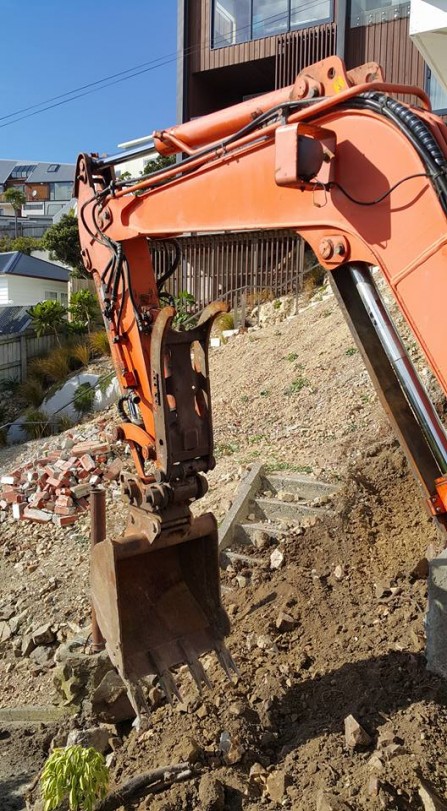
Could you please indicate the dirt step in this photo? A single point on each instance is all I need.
(244, 533)
(272, 509)
(304, 486)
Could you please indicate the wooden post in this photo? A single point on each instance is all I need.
(23, 359)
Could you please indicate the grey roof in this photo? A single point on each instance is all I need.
(6, 168)
(19, 264)
(13, 319)
(64, 173)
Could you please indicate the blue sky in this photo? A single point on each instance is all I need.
(50, 47)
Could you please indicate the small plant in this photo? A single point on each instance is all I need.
(36, 424)
(351, 351)
(226, 448)
(84, 308)
(99, 342)
(48, 316)
(223, 322)
(183, 304)
(54, 367)
(291, 356)
(244, 398)
(296, 386)
(9, 385)
(64, 423)
(276, 304)
(32, 391)
(81, 352)
(265, 392)
(76, 774)
(84, 398)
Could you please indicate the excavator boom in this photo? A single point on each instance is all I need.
(363, 178)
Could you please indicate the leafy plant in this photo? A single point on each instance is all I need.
(16, 198)
(9, 385)
(183, 304)
(223, 322)
(99, 343)
(291, 356)
(84, 398)
(265, 392)
(62, 241)
(48, 316)
(74, 773)
(160, 162)
(64, 423)
(351, 351)
(277, 304)
(84, 308)
(297, 385)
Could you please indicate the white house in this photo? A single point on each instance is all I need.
(26, 280)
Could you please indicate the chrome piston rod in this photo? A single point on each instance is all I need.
(407, 375)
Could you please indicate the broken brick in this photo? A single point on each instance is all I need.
(41, 516)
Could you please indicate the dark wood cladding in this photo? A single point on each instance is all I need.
(204, 57)
(389, 44)
(298, 49)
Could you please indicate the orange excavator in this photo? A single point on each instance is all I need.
(362, 177)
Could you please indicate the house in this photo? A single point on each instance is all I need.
(232, 50)
(47, 188)
(26, 280)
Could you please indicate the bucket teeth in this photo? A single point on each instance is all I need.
(195, 667)
(138, 700)
(169, 687)
(226, 660)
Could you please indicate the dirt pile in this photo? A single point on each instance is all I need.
(336, 630)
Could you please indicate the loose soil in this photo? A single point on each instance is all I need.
(295, 396)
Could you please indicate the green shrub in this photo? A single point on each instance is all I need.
(9, 385)
(54, 367)
(64, 423)
(99, 343)
(36, 424)
(76, 774)
(297, 385)
(84, 398)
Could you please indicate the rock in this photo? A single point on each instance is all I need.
(431, 800)
(78, 676)
(261, 539)
(285, 622)
(42, 655)
(5, 631)
(276, 785)
(242, 581)
(98, 737)
(192, 752)
(44, 634)
(276, 559)
(110, 702)
(338, 572)
(330, 802)
(256, 780)
(373, 787)
(375, 763)
(211, 793)
(283, 495)
(355, 735)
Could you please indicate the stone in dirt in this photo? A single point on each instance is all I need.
(355, 735)
(211, 793)
(44, 634)
(98, 737)
(431, 800)
(330, 802)
(285, 622)
(276, 559)
(110, 702)
(276, 785)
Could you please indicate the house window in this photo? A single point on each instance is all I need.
(60, 191)
(64, 299)
(50, 295)
(53, 167)
(236, 21)
(20, 172)
(368, 12)
(438, 95)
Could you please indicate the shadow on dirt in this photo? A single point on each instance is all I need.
(12, 792)
(368, 689)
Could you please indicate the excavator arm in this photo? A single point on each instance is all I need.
(362, 178)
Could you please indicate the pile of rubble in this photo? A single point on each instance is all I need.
(55, 487)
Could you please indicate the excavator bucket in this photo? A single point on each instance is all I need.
(158, 604)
